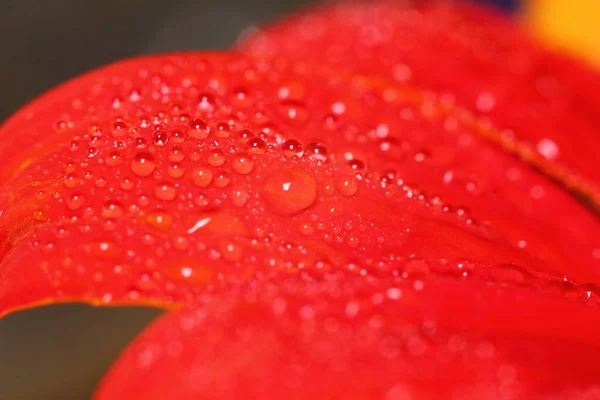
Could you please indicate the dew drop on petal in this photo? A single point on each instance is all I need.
(143, 164)
(165, 191)
(347, 185)
(289, 191)
(112, 209)
(242, 164)
(216, 158)
(198, 129)
(202, 176)
(160, 220)
(75, 201)
(548, 149)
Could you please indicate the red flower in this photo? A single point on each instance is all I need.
(325, 233)
(465, 54)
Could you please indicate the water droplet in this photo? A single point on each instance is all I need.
(75, 201)
(160, 138)
(71, 180)
(140, 143)
(119, 129)
(486, 102)
(393, 293)
(193, 273)
(509, 273)
(104, 250)
(243, 164)
(241, 98)
(126, 184)
(199, 129)
(231, 251)
(160, 220)
(307, 229)
(357, 165)
(177, 154)
(291, 147)
(256, 146)
(175, 170)
(177, 137)
(290, 190)
(246, 134)
(293, 111)
(202, 176)
(165, 191)
(394, 149)
(113, 159)
(239, 197)
(206, 102)
(145, 282)
(347, 185)
(548, 149)
(216, 158)
(221, 180)
(316, 151)
(143, 164)
(112, 209)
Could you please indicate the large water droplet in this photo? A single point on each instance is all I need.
(288, 191)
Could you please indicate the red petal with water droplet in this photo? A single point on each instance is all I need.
(158, 179)
(465, 53)
(439, 339)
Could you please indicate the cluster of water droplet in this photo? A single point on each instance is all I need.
(183, 179)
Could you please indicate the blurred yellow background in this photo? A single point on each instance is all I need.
(570, 24)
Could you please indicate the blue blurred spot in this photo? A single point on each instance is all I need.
(507, 5)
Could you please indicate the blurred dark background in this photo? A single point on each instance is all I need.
(61, 352)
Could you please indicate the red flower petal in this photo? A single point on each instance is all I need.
(438, 339)
(465, 53)
(155, 179)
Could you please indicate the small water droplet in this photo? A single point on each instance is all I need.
(256, 146)
(202, 176)
(119, 129)
(216, 158)
(160, 138)
(241, 98)
(113, 159)
(75, 201)
(293, 111)
(548, 148)
(239, 197)
(231, 251)
(291, 147)
(165, 191)
(347, 185)
(199, 129)
(175, 170)
(177, 154)
(71, 180)
(104, 250)
(242, 164)
(221, 179)
(160, 220)
(316, 151)
(206, 102)
(112, 209)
